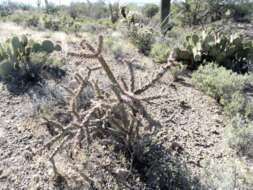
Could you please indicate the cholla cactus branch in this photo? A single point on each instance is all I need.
(158, 76)
(131, 72)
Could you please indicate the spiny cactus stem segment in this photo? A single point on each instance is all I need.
(158, 76)
(96, 54)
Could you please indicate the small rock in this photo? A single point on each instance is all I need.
(176, 147)
(13, 116)
(4, 174)
(28, 155)
(122, 173)
(215, 132)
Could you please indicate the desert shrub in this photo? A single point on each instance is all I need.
(51, 8)
(99, 9)
(115, 46)
(150, 10)
(25, 19)
(191, 12)
(18, 6)
(160, 52)
(142, 38)
(51, 24)
(106, 22)
(241, 12)
(196, 12)
(17, 18)
(33, 21)
(95, 10)
(234, 52)
(229, 174)
(135, 17)
(78, 9)
(22, 61)
(5, 11)
(61, 23)
(240, 136)
(176, 71)
(228, 88)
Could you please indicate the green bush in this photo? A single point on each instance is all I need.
(191, 12)
(51, 24)
(200, 12)
(99, 9)
(33, 21)
(61, 23)
(51, 8)
(150, 10)
(226, 87)
(5, 11)
(95, 10)
(233, 52)
(115, 46)
(241, 11)
(240, 136)
(160, 52)
(142, 38)
(77, 10)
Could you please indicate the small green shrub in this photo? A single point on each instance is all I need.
(51, 8)
(18, 18)
(115, 46)
(150, 10)
(190, 12)
(241, 12)
(226, 87)
(32, 21)
(160, 52)
(5, 11)
(229, 174)
(240, 136)
(51, 24)
(176, 71)
(142, 38)
(232, 52)
(200, 12)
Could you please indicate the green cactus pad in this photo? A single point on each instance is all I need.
(16, 43)
(36, 47)
(47, 46)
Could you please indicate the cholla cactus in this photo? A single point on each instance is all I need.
(116, 115)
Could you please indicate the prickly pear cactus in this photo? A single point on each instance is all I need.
(233, 52)
(18, 52)
(46, 46)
